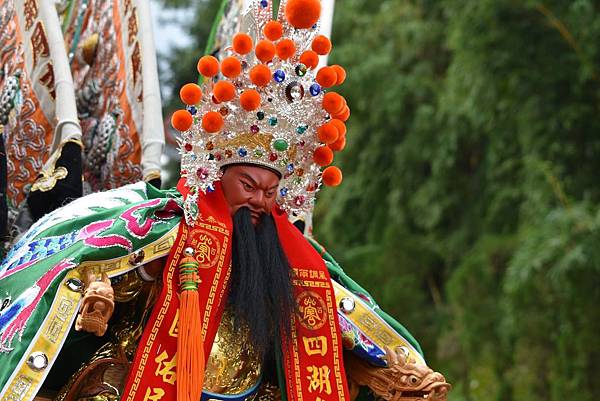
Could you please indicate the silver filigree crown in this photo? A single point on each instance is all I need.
(282, 133)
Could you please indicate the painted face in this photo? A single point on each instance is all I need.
(251, 186)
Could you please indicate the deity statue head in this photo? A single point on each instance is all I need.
(251, 186)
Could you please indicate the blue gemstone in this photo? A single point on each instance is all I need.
(260, 115)
(242, 152)
(283, 191)
(279, 76)
(315, 89)
(264, 3)
(272, 121)
(301, 129)
(210, 188)
(290, 168)
(192, 110)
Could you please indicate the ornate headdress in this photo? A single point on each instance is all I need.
(265, 104)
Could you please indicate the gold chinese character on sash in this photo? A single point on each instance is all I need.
(154, 394)
(166, 368)
(311, 310)
(207, 246)
(315, 345)
(318, 379)
(204, 250)
(174, 329)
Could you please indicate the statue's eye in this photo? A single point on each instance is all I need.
(247, 186)
(413, 380)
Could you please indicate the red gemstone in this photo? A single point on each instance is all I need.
(202, 173)
(188, 147)
(272, 157)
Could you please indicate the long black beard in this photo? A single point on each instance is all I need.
(261, 295)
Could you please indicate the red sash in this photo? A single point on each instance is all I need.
(312, 362)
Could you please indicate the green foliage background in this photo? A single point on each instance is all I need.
(470, 206)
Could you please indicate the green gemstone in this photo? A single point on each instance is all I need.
(260, 115)
(280, 145)
(258, 153)
(272, 121)
(302, 129)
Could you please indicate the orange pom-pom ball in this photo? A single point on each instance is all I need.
(260, 75)
(182, 120)
(265, 50)
(332, 176)
(212, 122)
(323, 156)
(190, 94)
(208, 66)
(303, 14)
(328, 133)
(341, 127)
(231, 67)
(341, 74)
(344, 115)
(333, 103)
(286, 49)
(310, 59)
(242, 43)
(273, 30)
(326, 77)
(321, 45)
(339, 145)
(224, 91)
(250, 100)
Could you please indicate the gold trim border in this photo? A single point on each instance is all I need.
(117, 266)
(49, 340)
(54, 330)
(373, 325)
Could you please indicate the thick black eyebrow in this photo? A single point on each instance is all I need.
(246, 176)
(249, 178)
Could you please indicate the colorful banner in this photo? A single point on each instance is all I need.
(27, 97)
